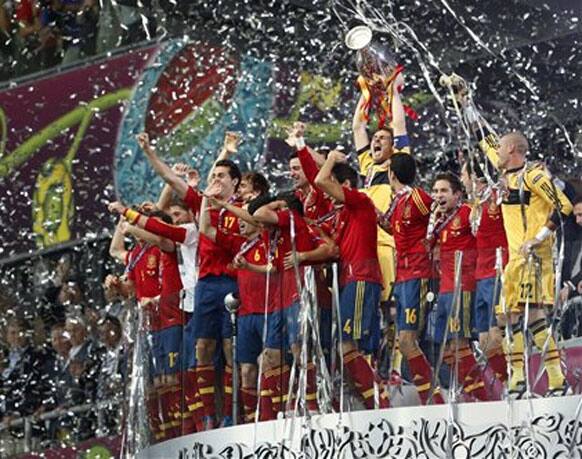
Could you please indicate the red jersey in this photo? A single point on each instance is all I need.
(490, 236)
(457, 235)
(316, 203)
(168, 313)
(213, 260)
(143, 269)
(409, 222)
(251, 285)
(356, 235)
(304, 242)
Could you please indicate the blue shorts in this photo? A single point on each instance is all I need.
(359, 302)
(210, 319)
(250, 338)
(411, 307)
(189, 355)
(167, 351)
(458, 328)
(485, 300)
(283, 327)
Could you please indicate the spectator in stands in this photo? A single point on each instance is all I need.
(83, 366)
(78, 20)
(48, 35)
(56, 376)
(6, 42)
(571, 292)
(26, 38)
(110, 382)
(21, 383)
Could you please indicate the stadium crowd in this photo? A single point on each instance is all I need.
(366, 252)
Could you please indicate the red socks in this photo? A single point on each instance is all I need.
(205, 382)
(498, 363)
(469, 374)
(311, 389)
(154, 415)
(362, 375)
(227, 381)
(421, 373)
(266, 410)
(249, 401)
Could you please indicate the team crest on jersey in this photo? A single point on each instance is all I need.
(456, 224)
(493, 209)
(152, 261)
(407, 211)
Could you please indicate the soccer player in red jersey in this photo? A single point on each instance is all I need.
(356, 235)
(407, 220)
(251, 258)
(252, 185)
(282, 216)
(453, 230)
(316, 204)
(488, 228)
(142, 280)
(166, 320)
(184, 233)
(216, 279)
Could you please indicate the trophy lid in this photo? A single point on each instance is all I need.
(358, 37)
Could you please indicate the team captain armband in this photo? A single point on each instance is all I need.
(131, 215)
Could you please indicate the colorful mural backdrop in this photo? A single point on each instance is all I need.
(68, 139)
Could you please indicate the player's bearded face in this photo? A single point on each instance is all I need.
(245, 191)
(444, 195)
(297, 174)
(179, 215)
(381, 146)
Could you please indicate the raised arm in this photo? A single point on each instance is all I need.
(162, 169)
(206, 227)
(325, 180)
(359, 127)
(134, 225)
(398, 114)
(117, 245)
(229, 148)
(164, 244)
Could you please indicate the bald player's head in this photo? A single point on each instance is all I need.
(513, 148)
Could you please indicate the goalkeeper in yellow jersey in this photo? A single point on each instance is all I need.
(532, 208)
(374, 160)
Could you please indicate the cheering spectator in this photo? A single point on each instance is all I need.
(21, 382)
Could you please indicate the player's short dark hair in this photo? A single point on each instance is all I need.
(343, 172)
(453, 180)
(258, 202)
(292, 201)
(388, 130)
(404, 167)
(177, 202)
(258, 182)
(163, 216)
(233, 170)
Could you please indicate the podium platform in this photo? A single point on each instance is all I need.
(535, 428)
